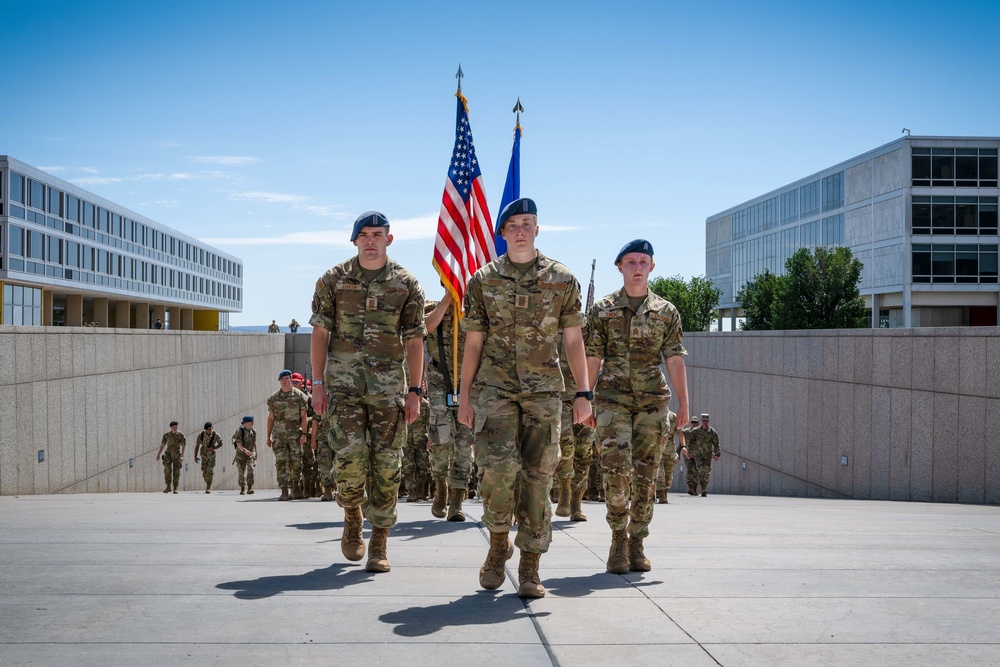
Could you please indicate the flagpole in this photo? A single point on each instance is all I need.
(454, 305)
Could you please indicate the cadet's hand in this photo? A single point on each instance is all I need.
(582, 411)
(319, 399)
(269, 441)
(197, 460)
(466, 415)
(715, 457)
(411, 408)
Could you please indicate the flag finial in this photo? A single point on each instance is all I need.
(518, 109)
(459, 76)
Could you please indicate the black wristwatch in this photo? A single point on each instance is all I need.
(419, 391)
(589, 395)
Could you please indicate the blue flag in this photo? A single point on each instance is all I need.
(512, 188)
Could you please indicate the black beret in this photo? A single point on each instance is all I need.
(208, 425)
(516, 207)
(639, 245)
(173, 423)
(248, 418)
(368, 219)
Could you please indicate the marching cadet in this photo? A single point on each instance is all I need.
(173, 458)
(205, 445)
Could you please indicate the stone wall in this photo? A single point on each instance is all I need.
(916, 412)
(96, 402)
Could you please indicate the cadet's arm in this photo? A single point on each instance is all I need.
(470, 366)
(433, 319)
(270, 425)
(576, 356)
(678, 382)
(415, 372)
(318, 345)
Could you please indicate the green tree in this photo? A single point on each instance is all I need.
(696, 299)
(820, 291)
(757, 300)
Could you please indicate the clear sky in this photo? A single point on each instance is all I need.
(265, 128)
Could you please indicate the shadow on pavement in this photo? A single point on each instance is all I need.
(334, 577)
(481, 608)
(583, 585)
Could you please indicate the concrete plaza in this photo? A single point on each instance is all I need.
(220, 579)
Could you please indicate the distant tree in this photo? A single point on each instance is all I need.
(696, 299)
(820, 291)
(757, 300)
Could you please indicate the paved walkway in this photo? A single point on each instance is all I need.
(196, 579)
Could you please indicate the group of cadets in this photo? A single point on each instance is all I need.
(552, 402)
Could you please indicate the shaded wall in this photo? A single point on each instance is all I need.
(98, 401)
(915, 411)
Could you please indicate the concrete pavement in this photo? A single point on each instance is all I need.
(220, 579)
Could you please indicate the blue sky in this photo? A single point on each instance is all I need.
(266, 128)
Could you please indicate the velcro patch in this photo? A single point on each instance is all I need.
(353, 287)
(494, 282)
(558, 286)
(611, 313)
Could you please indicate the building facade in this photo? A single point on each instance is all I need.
(70, 258)
(919, 212)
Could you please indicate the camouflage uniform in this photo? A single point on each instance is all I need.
(172, 457)
(451, 442)
(702, 443)
(365, 378)
(631, 401)
(324, 453)
(576, 442)
(208, 446)
(665, 474)
(416, 464)
(247, 438)
(287, 408)
(518, 389)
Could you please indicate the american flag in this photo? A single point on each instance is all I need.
(464, 240)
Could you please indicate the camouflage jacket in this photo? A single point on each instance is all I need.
(632, 358)
(210, 443)
(287, 408)
(704, 441)
(173, 441)
(245, 437)
(435, 378)
(521, 317)
(369, 325)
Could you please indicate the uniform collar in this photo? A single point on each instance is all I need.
(354, 270)
(507, 269)
(621, 300)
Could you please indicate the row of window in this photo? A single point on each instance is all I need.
(820, 196)
(22, 305)
(954, 167)
(81, 262)
(954, 215)
(93, 221)
(948, 263)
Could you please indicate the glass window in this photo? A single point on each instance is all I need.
(36, 242)
(72, 208)
(55, 202)
(16, 187)
(833, 191)
(37, 195)
(987, 218)
(921, 217)
(988, 169)
(921, 167)
(988, 263)
(15, 240)
(943, 218)
(809, 198)
(943, 265)
(88, 214)
(55, 247)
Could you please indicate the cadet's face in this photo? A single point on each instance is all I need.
(372, 242)
(636, 266)
(704, 424)
(520, 231)
(173, 429)
(286, 383)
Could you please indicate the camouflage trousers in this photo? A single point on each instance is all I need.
(576, 449)
(699, 468)
(245, 466)
(324, 455)
(172, 467)
(416, 464)
(630, 440)
(309, 470)
(665, 473)
(208, 467)
(367, 434)
(451, 446)
(517, 451)
(287, 458)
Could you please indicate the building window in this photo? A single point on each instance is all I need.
(961, 263)
(22, 305)
(833, 191)
(954, 167)
(16, 187)
(37, 193)
(809, 199)
(967, 216)
(789, 207)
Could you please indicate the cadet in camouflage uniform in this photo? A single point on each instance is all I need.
(702, 448)
(245, 442)
(689, 475)
(173, 458)
(451, 441)
(576, 447)
(416, 463)
(368, 319)
(286, 433)
(310, 471)
(665, 474)
(205, 445)
(631, 332)
(324, 456)
(514, 309)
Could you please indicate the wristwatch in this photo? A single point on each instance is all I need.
(317, 383)
(419, 391)
(589, 395)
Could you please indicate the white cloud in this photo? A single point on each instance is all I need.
(227, 160)
(403, 229)
(172, 176)
(298, 202)
(167, 143)
(558, 228)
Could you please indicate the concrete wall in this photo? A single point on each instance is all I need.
(915, 411)
(98, 401)
(297, 354)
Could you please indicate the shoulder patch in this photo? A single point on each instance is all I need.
(660, 316)
(555, 286)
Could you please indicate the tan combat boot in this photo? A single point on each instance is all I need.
(618, 562)
(284, 493)
(250, 488)
(167, 490)
(576, 506)
(243, 490)
(637, 561)
(529, 583)
(565, 494)
(297, 490)
(491, 574)
(327, 495)
(455, 498)
(692, 489)
(378, 559)
(412, 490)
(661, 497)
(352, 543)
(440, 496)
(208, 488)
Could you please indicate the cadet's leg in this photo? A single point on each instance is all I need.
(691, 464)
(648, 435)
(704, 472)
(539, 445)
(498, 456)
(614, 437)
(348, 440)
(386, 430)
(167, 470)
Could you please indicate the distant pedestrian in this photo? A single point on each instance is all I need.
(287, 419)
(174, 443)
(156, 325)
(274, 328)
(702, 448)
(205, 446)
(245, 442)
(293, 326)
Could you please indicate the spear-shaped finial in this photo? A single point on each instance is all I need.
(518, 109)
(459, 76)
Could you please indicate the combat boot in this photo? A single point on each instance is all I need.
(378, 559)
(327, 496)
(661, 497)
(704, 494)
(576, 506)
(618, 562)
(529, 583)
(565, 494)
(455, 512)
(284, 493)
(297, 490)
(692, 489)
(352, 543)
(243, 490)
(412, 491)
(491, 574)
(637, 561)
(208, 488)
(167, 490)
(440, 496)
(175, 488)
(249, 488)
